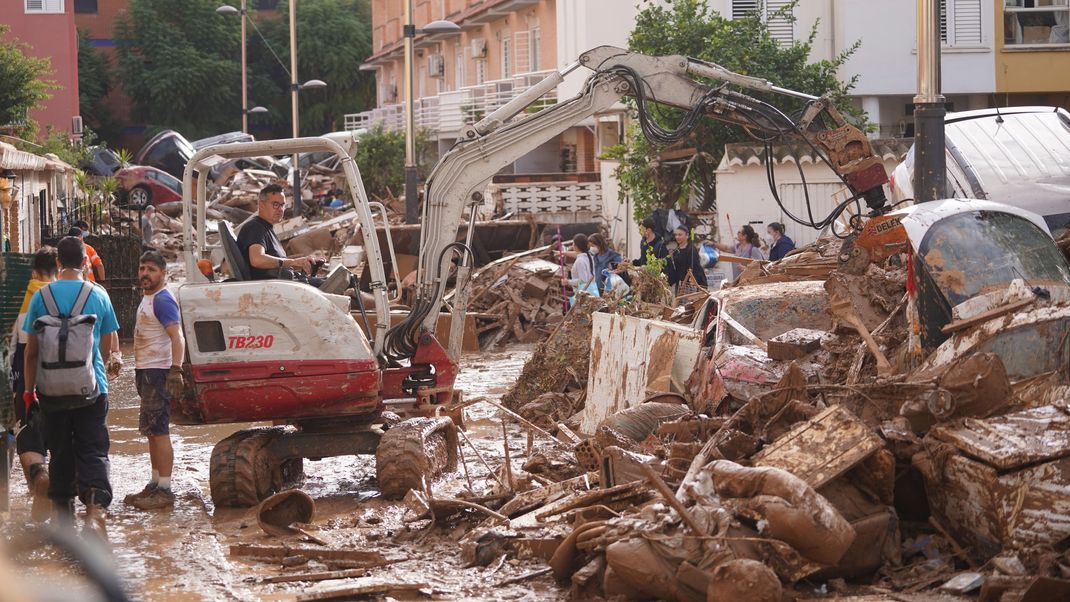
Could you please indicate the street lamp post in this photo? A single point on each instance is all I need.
(412, 208)
(230, 10)
(293, 101)
(929, 161)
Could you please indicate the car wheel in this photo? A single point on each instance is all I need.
(140, 196)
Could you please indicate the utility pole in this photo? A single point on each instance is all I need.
(929, 160)
(244, 76)
(411, 202)
(294, 87)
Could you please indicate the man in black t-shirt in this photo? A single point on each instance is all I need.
(260, 245)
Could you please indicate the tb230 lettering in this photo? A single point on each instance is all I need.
(251, 342)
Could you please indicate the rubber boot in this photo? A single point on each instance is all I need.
(94, 519)
(38, 481)
(63, 513)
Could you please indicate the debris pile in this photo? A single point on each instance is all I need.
(792, 438)
(517, 299)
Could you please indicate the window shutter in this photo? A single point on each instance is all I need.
(35, 6)
(743, 8)
(522, 49)
(780, 26)
(506, 57)
(943, 22)
(967, 22)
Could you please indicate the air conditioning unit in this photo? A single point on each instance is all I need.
(479, 48)
(436, 65)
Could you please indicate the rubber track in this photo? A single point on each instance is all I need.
(242, 475)
(415, 451)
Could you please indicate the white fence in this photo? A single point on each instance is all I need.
(445, 114)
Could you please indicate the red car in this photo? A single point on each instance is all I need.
(147, 185)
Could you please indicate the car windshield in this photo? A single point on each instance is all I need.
(975, 252)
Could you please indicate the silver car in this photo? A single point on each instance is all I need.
(1019, 156)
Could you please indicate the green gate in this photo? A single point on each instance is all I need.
(14, 276)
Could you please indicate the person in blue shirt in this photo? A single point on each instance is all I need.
(782, 245)
(77, 439)
(604, 258)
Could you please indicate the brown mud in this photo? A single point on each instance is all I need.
(184, 554)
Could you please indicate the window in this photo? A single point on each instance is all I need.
(458, 68)
(44, 6)
(960, 23)
(86, 7)
(534, 47)
(778, 19)
(209, 336)
(507, 56)
(972, 253)
(1036, 22)
(481, 71)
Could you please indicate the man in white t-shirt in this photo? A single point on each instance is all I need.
(159, 349)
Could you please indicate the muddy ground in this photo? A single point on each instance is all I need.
(183, 554)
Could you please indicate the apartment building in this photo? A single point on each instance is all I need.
(47, 27)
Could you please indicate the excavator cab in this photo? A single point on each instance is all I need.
(289, 353)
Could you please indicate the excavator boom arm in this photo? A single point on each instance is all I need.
(495, 142)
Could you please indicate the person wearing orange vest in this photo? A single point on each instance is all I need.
(96, 264)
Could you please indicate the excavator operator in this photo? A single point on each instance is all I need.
(261, 248)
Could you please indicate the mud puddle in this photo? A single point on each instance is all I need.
(184, 555)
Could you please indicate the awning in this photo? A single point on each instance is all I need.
(16, 160)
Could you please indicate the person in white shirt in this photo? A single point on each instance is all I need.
(159, 349)
(581, 275)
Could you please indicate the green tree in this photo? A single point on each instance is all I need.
(333, 38)
(24, 85)
(692, 28)
(95, 76)
(381, 160)
(178, 63)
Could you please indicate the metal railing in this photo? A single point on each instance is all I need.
(101, 215)
(444, 114)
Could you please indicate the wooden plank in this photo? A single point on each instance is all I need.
(317, 576)
(995, 312)
(1012, 440)
(279, 552)
(361, 587)
(741, 329)
(821, 448)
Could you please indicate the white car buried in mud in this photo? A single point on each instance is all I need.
(983, 278)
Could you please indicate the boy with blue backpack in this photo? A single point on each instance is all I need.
(72, 328)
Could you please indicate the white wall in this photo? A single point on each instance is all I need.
(743, 195)
(887, 60)
(585, 24)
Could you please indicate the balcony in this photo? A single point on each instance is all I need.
(444, 115)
